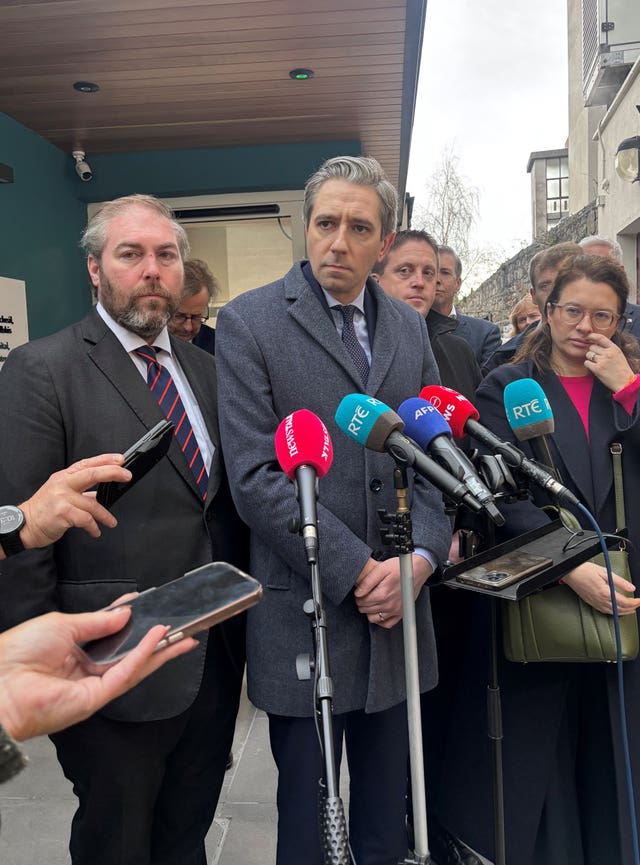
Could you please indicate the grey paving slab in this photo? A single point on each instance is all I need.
(38, 805)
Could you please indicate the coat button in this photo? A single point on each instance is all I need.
(375, 485)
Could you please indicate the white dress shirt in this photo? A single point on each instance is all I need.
(130, 342)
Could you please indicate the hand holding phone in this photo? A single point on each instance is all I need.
(139, 459)
(202, 598)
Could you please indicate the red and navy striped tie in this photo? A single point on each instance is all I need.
(162, 385)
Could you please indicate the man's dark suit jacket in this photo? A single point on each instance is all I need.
(76, 394)
(454, 356)
(206, 339)
(483, 336)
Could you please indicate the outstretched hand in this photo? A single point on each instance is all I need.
(47, 683)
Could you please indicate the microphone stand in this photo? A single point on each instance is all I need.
(333, 825)
(400, 536)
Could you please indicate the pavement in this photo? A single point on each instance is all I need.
(37, 805)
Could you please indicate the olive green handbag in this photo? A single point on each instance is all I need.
(557, 625)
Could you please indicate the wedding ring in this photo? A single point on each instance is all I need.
(592, 356)
(380, 616)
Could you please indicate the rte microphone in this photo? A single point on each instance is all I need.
(425, 425)
(531, 419)
(462, 417)
(305, 453)
(375, 426)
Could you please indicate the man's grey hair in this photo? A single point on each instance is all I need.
(614, 246)
(94, 237)
(456, 258)
(198, 276)
(362, 170)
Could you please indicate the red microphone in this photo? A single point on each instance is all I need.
(305, 453)
(462, 417)
(455, 408)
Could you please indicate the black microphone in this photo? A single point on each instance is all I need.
(425, 425)
(462, 417)
(375, 426)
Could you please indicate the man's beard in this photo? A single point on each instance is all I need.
(146, 323)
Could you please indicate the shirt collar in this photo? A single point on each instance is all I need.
(131, 341)
(358, 301)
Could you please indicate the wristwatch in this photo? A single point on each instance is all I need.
(11, 523)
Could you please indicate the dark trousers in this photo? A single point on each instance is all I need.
(148, 791)
(377, 747)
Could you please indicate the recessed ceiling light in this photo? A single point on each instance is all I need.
(86, 86)
(301, 74)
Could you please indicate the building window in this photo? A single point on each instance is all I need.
(557, 178)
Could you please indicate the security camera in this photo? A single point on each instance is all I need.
(83, 169)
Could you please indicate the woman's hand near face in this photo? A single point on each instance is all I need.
(607, 362)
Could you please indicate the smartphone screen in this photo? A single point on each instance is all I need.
(505, 570)
(196, 601)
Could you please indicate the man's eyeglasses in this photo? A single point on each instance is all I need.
(571, 313)
(183, 318)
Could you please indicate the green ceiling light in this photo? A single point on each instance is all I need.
(301, 74)
(628, 159)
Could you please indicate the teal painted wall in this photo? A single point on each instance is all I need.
(41, 220)
(173, 173)
(43, 213)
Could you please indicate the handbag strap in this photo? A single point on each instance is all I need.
(618, 487)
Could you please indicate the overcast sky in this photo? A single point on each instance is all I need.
(493, 84)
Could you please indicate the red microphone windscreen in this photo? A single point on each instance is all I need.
(303, 440)
(455, 408)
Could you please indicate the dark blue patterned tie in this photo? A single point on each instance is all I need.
(352, 343)
(163, 387)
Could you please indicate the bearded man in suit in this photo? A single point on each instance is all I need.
(148, 769)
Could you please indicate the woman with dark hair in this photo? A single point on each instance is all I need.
(565, 794)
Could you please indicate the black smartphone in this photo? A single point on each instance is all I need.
(198, 600)
(139, 458)
(505, 570)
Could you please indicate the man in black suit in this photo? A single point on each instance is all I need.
(199, 289)
(148, 769)
(483, 336)
(409, 272)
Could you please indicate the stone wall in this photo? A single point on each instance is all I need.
(496, 297)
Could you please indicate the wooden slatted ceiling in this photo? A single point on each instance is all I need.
(204, 73)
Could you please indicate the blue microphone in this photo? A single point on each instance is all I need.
(376, 427)
(426, 426)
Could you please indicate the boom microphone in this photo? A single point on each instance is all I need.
(426, 426)
(375, 426)
(305, 453)
(462, 417)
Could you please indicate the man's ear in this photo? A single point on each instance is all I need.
(386, 245)
(93, 266)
